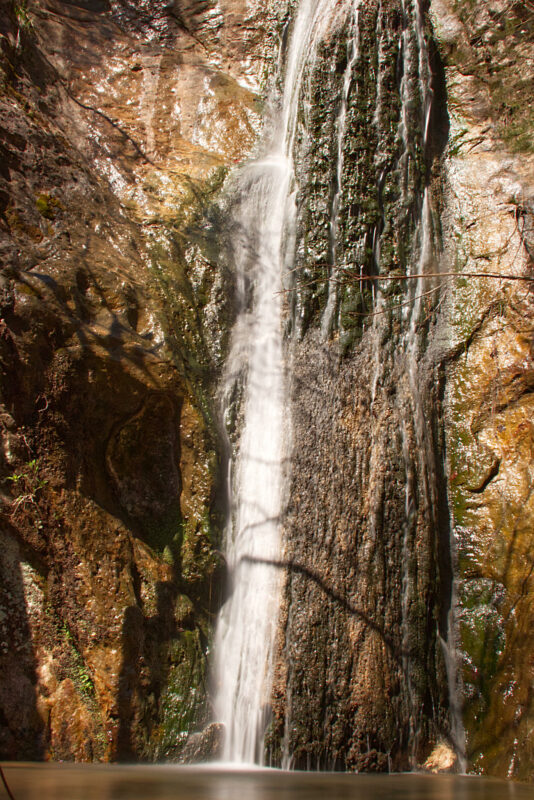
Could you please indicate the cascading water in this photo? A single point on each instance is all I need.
(339, 199)
(246, 627)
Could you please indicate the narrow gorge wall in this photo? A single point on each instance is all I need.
(488, 224)
(362, 681)
(118, 125)
(409, 520)
(407, 564)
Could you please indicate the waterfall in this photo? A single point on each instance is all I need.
(354, 535)
(244, 638)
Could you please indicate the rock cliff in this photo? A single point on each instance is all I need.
(118, 122)
(488, 227)
(407, 612)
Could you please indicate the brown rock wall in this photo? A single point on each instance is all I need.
(488, 224)
(115, 123)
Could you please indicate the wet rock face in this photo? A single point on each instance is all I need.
(408, 439)
(112, 329)
(361, 679)
(488, 227)
(118, 124)
(360, 626)
(205, 746)
(411, 439)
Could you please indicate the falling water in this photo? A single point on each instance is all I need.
(414, 51)
(263, 230)
(246, 628)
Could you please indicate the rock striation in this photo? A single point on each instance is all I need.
(364, 628)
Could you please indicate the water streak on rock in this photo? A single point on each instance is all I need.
(353, 53)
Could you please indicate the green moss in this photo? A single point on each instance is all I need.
(74, 667)
(78, 672)
(380, 201)
(185, 267)
(19, 226)
(165, 533)
(21, 13)
(199, 560)
(182, 702)
(48, 206)
(185, 264)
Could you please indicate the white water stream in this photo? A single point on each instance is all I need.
(244, 639)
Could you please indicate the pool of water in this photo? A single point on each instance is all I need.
(113, 782)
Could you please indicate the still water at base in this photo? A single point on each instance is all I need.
(111, 782)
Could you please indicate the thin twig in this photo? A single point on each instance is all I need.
(6, 785)
(391, 308)
(417, 276)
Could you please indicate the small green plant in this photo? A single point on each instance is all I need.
(29, 483)
(23, 18)
(84, 681)
(79, 672)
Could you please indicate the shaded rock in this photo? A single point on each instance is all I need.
(204, 746)
(141, 458)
